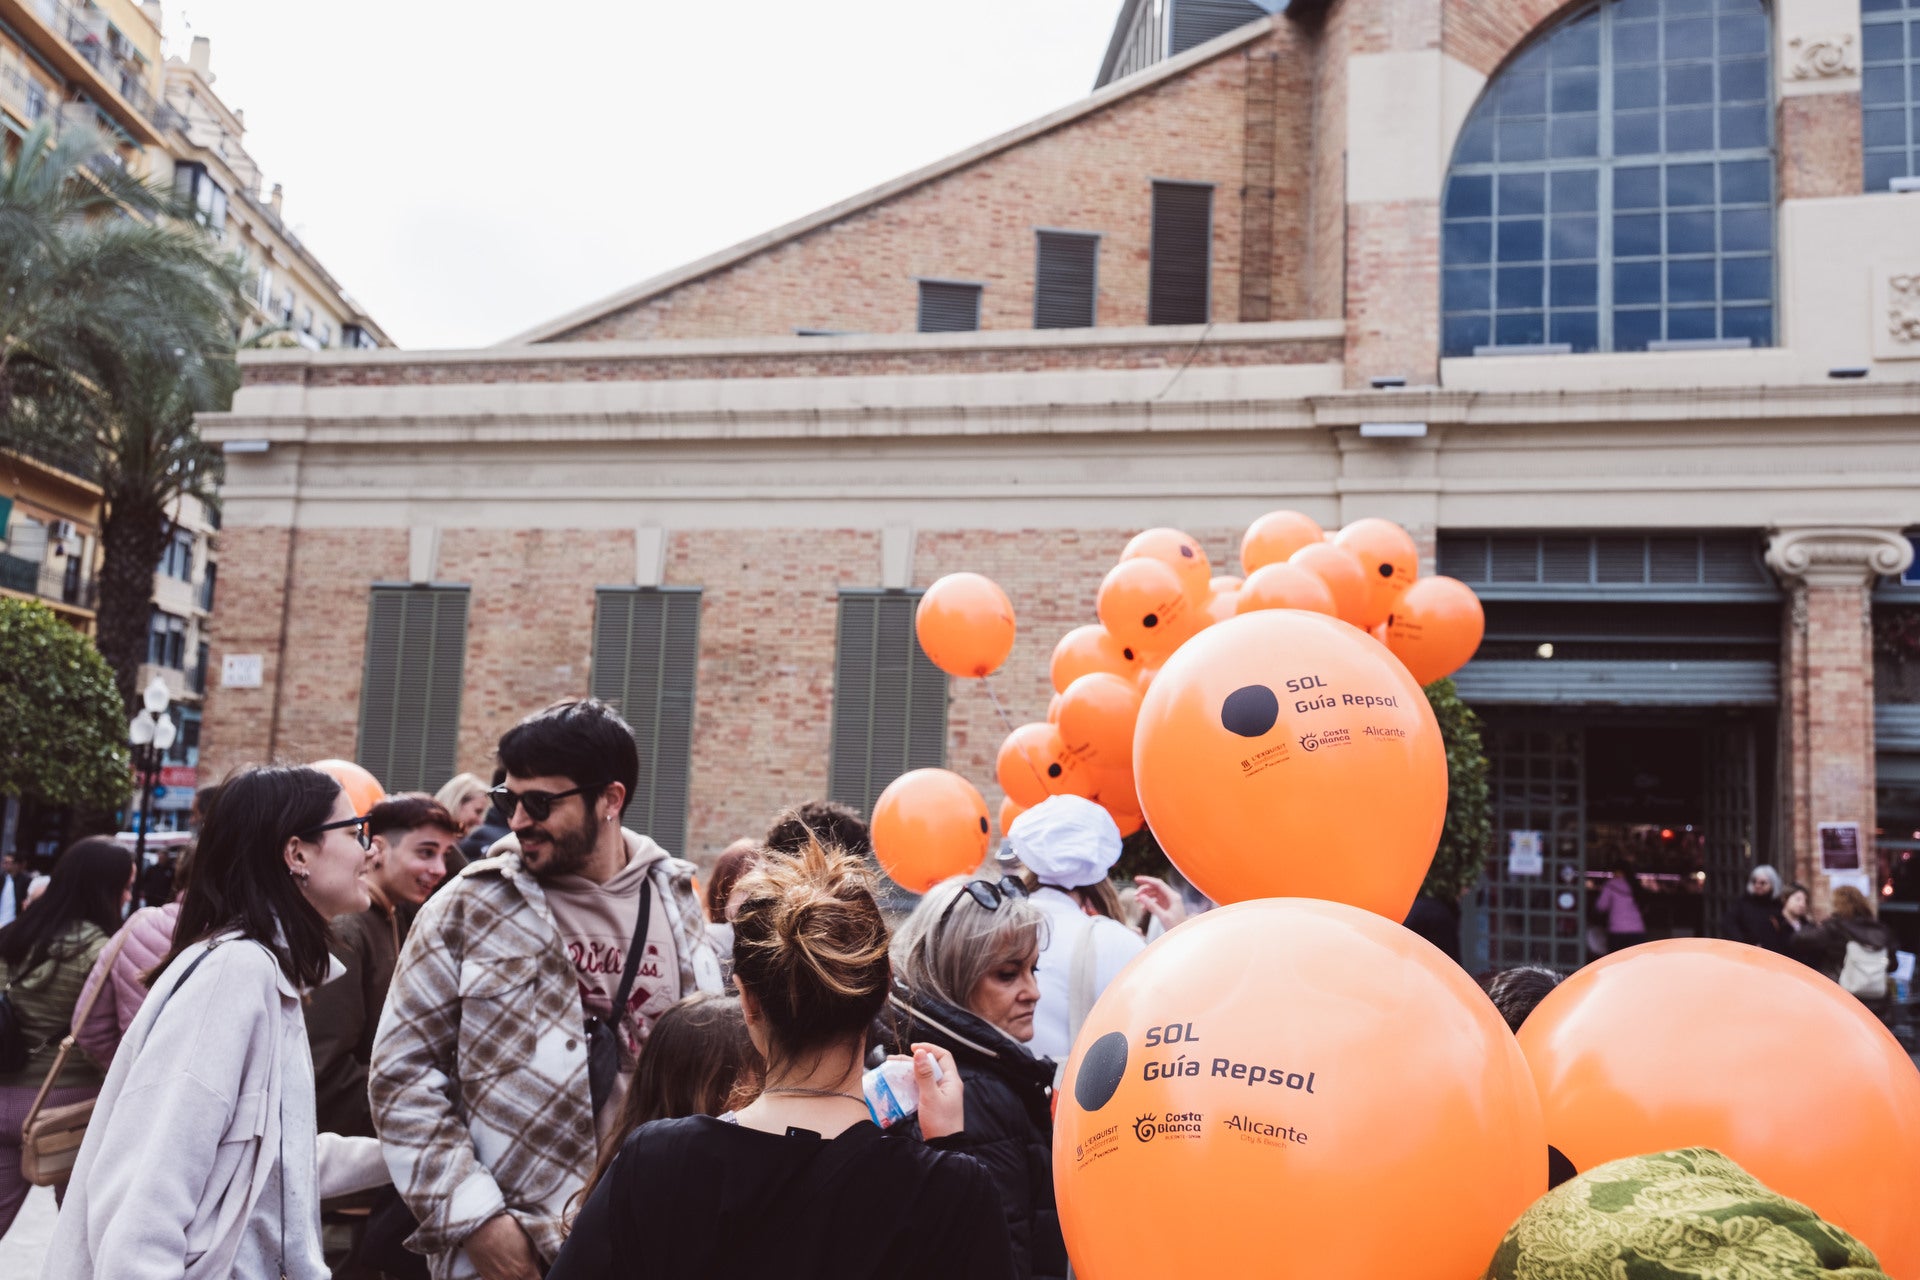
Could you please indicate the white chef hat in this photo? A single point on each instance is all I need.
(1066, 841)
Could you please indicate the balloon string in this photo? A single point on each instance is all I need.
(986, 682)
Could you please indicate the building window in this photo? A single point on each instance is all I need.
(949, 306)
(1890, 89)
(166, 640)
(177, 560)
(323, 333)
(1066, 276)
(186, 741)
(1178, 280)
(207, 584)
(207, 198)
(410, 696)
(1613, 188)
(197, 677)
(355, 337)
(646, 656)
(889, 700)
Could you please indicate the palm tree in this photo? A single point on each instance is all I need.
(116, 327)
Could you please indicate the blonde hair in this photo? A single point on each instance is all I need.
(810, 947)
(459, 789)
(947, 946)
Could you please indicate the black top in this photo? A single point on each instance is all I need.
(1757, 922)
(704, 1197)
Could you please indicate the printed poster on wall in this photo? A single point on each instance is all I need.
(1526, 853)
(1840, 846)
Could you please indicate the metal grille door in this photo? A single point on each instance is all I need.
(1538, 784)
(1729, 811)
(646, 660)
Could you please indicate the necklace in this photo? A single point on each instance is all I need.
(816, 1093)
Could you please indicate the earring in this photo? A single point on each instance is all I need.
(301, 876)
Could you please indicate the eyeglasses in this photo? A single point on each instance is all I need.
(538, 804)
(358, 825)
(988, 893)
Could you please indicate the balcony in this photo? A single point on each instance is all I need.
(62, 584)
(114, 74)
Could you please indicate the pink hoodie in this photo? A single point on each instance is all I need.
(149, 937)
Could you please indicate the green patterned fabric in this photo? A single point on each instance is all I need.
(1680, 1215)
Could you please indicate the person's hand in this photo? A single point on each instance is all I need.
(502, 1250)
(1159, 900)
(943, 1111)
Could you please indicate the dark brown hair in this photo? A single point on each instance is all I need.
(810, 946)
(1851, 904)
(1516, 992)
(727, 870)
(831, 823)
(409, 811)
(85, 887)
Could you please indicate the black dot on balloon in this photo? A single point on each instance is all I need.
(1151, 620)
(1127, 654)
(1386, 571)
(1559, 1168)
(1186, 552)
(1250, 711)
(1101, 1071)
(1053, 771)
(983, 826)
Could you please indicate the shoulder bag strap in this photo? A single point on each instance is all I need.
(111, 954)
(639, 944)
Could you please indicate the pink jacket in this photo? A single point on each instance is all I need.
(149, 937)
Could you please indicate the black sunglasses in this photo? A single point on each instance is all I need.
(538, 804)
(364, 836)
(988, 893)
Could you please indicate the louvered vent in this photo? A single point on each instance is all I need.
(1614, 561)
(889, 700)
(646, 657)
(1182, 253)
(410, 696)
(1197, 21)
(946, 307)
(1065, 278)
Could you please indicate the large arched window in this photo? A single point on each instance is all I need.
(1890, 89)
(1613, 188)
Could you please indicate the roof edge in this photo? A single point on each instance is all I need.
(1147, 78)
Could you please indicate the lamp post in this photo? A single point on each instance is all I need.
(151, 733)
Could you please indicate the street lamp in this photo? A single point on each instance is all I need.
(151, 733)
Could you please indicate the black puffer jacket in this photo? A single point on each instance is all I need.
(1756, 921)
(1009, 1120)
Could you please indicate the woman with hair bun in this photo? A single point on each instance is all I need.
(800, 1183)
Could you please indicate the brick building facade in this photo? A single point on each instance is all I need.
(1699, 529)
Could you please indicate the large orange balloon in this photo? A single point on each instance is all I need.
(965, 623)
(1226, 582)
(1285, 754)
(363, 789)
(1436, 627)
(1285, 586)
(1340, 570)
(1008, 812)
(1275, 1077)
(1222, 605)
(1695, 1042)
(1181, 553)
(1097, 714)
(1087, 649)
(1391, 561)
(928, 825)
(1143, 601)
(1274, 537)
(1035, 762)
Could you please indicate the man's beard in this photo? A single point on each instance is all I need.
(566, 851)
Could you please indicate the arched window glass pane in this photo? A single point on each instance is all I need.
(1613, 188)
(1890, 90)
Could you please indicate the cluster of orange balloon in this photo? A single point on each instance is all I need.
(362, 788)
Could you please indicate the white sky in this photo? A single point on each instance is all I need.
(470, 170)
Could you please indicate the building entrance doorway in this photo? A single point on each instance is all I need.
(1673, 798)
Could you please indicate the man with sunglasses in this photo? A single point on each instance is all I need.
(524, 997)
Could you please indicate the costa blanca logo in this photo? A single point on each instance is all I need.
(1176, 1124)
(1326, 738)
(1143, 1126)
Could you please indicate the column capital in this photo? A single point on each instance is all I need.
(1837, 556)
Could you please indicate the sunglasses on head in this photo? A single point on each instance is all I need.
(358, 825)
(988, 893)
(538, 804)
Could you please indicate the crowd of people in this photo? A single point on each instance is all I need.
(493, 1033)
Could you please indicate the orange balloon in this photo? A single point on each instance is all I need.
(1226, 582)
(1142, 601)
(965, 624)
(1053, 709)
(1285, 586)
(1659, 1046)
(1034, 763)
(928, 825)
(1284, 754)
(1391, 561)
(1250, 1077)
(1222, 605)
(1097, 714)
(1274, 537)
(1127, 818)
(1181, 553)
(363, 789)
(1008, 812)
(1436, 627)
(1144, 677)
(1086, 649)
(1340, 570)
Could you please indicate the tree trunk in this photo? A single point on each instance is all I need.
(132, 536)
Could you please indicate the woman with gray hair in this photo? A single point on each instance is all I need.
(963, 966)
(1755, 917)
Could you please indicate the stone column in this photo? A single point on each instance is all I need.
(1826, 703)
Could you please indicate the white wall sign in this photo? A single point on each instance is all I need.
(242, 670)
(1525, 856)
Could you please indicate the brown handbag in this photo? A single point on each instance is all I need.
(50, 1138)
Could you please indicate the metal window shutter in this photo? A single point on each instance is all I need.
(410, 692)
(1177, 291)
(889, 700)
(646, 660)
(949, 308)
(1065, 275)
(1622, 563)
(1197, 21)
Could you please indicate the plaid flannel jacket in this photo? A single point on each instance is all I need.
(479, 1072)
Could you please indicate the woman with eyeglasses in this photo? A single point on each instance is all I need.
(1754, 917)
(964, 966)
(201, 1159)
